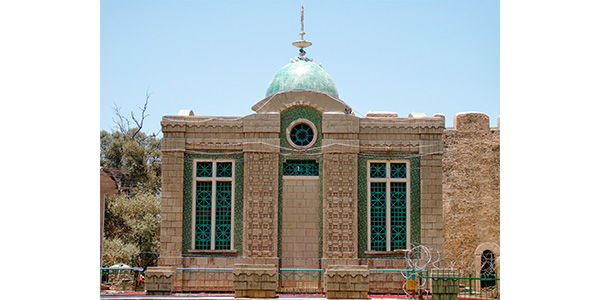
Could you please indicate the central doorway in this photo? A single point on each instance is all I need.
(300, 222)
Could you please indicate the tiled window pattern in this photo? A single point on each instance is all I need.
(223, 216)
(388, 205)
(213, 211)
(203, 214)
(300, 168)
(398, 224)
(378, 216)
(378, 170)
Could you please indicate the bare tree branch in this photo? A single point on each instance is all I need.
(140, 124)
(122, 124)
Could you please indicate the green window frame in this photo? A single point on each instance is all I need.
(214, 194)
(389, 205)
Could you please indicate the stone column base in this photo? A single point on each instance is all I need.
(159, 281)
(255, 281)
(347, 282)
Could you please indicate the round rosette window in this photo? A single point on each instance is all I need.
(301, 134)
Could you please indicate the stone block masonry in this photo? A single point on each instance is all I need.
(255, 281)
(300, 224)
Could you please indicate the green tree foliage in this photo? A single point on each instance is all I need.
(132, 217)
(138, 154)
(132, 229)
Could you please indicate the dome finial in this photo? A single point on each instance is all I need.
(301, 43)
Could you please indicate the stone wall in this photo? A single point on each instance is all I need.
(171, 227)
(471, 184)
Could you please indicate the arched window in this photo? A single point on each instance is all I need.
(488, 269)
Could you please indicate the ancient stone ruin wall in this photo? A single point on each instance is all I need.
(471, 184)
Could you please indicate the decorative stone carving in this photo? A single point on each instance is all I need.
(339, 213)
(347, 282)
(260, 204)
(255, 281)
(159, 281)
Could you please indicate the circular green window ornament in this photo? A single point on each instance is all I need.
(301, 134)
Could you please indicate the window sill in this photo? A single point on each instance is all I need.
(398, 252)
(220, 252)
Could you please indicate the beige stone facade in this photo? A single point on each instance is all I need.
(322, 219)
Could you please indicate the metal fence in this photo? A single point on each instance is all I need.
(458, 284)
(433, 282)
(301, 281)
(463, 286)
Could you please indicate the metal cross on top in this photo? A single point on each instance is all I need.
(302, 21)
(302, 43)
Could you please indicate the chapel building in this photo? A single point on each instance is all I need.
(305, 183)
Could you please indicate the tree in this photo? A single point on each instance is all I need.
(132, 217)
(132, 228)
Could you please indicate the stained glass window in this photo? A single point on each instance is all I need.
(378, 217)
(223, 216)
(214, 205)
(204, 169)
(203, 214)
(389, 199)
(301, 168)
(302, 134)
(398, 214)
(398, 170)
(224, 169)
(378, 170)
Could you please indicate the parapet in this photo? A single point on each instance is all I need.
(381, 114)
(471, 121)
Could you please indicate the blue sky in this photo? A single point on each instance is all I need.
(65, 63)
(217, 57)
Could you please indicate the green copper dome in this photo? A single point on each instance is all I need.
(302, 75)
